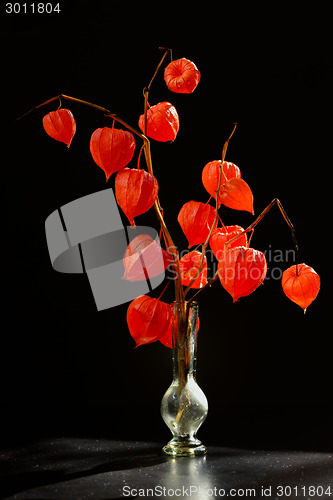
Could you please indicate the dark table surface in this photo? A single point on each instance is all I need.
(84, 468)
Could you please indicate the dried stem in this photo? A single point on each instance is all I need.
(158, 210)
(251, 228)
(258, 219)
(158, 66)
(204, 246)
(179, 293)
(146, 90)
(91, 105)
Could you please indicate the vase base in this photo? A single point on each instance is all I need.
(184, 448)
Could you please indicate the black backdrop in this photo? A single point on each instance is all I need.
(265, 367)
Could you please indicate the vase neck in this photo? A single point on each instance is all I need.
(184, 338)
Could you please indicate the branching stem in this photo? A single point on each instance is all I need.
(179, 293)
(91, 105)
(204, 246)
(251, 229)
(260, 217)
(167, 237)
(158, 67)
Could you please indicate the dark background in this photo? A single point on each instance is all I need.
(265, 367)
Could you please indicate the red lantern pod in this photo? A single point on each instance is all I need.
(136, 192)
(221, 235)
(162, 122)
(182, 76)
(112, 149)
(189, 265)
(148, 319)
(144, 258)
(236, 194)
(196, 220)
(301, 288)
(211, 173)
(60, 125)
(241, 271)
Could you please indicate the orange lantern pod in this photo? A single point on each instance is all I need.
(189, 265)
(211, 173)
(148, 319)
(196, 220)
(221, 235)
(136, 192)
(144, 258)
(112, 149)
(301, 288)
(236, 194)
(60, 125)
(241, 271)
(166, 339)
(162, 122)
(182, 76)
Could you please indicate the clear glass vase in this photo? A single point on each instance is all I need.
(184, 406)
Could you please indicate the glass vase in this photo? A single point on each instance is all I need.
(184, 406)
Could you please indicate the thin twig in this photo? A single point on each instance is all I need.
(158, 66)
(258, 219)
(106, 112)
(251, 228)
(204, 246)
(179, 294)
